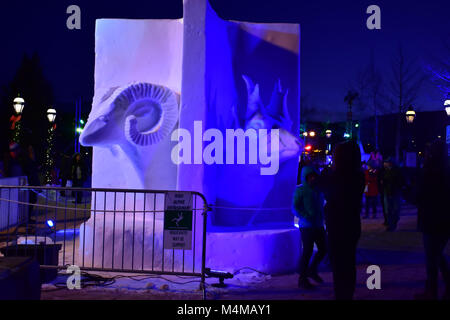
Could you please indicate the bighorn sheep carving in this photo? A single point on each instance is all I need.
(136, 118)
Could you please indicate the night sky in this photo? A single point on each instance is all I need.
(335, 42)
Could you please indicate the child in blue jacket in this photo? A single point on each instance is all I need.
(308, 207)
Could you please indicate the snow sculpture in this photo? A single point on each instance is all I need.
(273, 116)
(137, 116)
(197, 63)
(141, 114)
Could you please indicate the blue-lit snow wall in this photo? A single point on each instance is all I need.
(230, 53)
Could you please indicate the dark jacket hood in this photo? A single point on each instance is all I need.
(305, 171)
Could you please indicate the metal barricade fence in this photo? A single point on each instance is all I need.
(108, 230)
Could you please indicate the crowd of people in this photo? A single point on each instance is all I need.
(21, 161)
(383, 182)
(329, 205)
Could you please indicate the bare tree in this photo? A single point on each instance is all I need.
(438, 67)
(372, 96)
(406, 82)
(306, 108)
(350, 99)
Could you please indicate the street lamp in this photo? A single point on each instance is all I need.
(447, 105)
(410, 114)
(51, 115)
(49, 162)
(19, 103)
(312, 134)
(328, 133)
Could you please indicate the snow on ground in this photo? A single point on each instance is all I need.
(399, 255)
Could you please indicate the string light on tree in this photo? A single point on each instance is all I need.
(49, 160)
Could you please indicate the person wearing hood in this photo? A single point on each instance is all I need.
(343, 188)
(307, 205)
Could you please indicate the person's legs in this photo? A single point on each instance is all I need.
(367, 198)
(320, 240)
(343, 260)
(78, 194)
(432, 262)
(63, 184)
(374, 206)
(443, 265)
(386, 209)
(307, 237)
(397, 202)
(32, 199)
(383, 206)
(390, 212)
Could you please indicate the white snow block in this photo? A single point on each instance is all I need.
(201, 59)
(127, 52)
(273, 251)
(111, 239)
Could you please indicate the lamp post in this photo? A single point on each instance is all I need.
(447, 129)
(328, 133)
(18, 104)
(410, 115)
(349, 98)
(49, 161)
(411, 156)
(305, 134)
(447, 104)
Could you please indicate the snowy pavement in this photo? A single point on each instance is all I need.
(398, 254)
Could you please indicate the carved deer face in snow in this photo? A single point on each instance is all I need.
(273, 116)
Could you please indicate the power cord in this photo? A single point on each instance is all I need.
(249, 268)
(92, 280)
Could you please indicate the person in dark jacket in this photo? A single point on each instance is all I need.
(381, 192)
(13, 163)
(308, 207)
(392, 190)
(371, 189)
(343, 187)
(434, 217)
(65, 172)
(79, 174)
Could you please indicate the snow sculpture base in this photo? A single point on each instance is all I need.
(135, 242)
(273, 251)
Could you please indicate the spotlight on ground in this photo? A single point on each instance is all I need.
(222, 275)
(50, 223)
